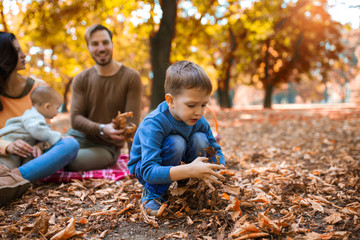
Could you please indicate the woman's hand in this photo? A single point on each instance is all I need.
(20, 148)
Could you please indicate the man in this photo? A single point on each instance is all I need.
(98, 93)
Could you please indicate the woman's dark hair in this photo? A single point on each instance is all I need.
(8, 58)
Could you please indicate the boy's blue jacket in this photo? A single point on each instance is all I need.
(148, 139)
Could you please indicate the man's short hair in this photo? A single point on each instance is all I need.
(186, 75)
(96, 27)
(43, 94)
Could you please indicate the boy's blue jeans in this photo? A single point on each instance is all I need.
(174, 150)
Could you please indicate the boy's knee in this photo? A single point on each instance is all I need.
(199, 141)
(175, 144)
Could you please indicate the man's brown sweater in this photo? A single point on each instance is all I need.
(97, 99)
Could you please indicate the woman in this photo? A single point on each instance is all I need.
(15, 92)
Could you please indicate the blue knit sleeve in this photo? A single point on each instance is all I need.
(152, 134)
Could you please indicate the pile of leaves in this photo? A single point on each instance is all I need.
(292, 174)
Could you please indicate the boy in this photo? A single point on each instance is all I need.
(31, 126)
(175, 131)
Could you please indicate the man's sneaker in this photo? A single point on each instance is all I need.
(12, 185)
(152, 201)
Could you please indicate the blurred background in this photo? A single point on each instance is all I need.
(256, 52)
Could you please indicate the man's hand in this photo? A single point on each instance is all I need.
(21, 148)
(116, 136)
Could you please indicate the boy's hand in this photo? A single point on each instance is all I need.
(206, 171)
(36, 151)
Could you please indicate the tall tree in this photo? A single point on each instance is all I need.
(297, 38)
(160, 44)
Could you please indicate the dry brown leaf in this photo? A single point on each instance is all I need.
(148, 219)
(266, 223)
(104, 233)
(244, 229)
(261, 198)
(68, 232)
(161, 210)
(317, 236)
(253, 235)
(348, 210)
(333, 218)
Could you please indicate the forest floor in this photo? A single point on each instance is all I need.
(291, 174)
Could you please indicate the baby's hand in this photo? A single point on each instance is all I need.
(206, 171)
(37, 151)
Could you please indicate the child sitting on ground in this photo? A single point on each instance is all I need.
(32, 127)
(175, 132)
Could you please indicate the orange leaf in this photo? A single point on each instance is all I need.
(296, 148)
(179, 214)
(225, 196)
(227, 172)
(83, 221)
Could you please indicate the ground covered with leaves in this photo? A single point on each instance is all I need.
(291, 174)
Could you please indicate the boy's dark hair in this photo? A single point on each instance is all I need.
(97, 27)
(43, 94)
(186, 75)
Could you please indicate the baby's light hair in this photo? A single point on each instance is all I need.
(186, 75)
(43, 94)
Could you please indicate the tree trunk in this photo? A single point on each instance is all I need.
(223, 84)
(268, 95)
(224, 98)
(160, 46)
(63, 108)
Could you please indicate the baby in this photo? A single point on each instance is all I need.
(31, 127)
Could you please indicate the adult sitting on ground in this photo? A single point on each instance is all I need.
(15, 90)
(98, 93)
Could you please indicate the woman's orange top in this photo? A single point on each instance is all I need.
(16, 106)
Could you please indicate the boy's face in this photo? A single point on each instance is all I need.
(50, 109)
(189, 105)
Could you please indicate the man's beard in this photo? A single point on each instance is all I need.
(102, 63)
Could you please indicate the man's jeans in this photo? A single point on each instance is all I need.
(174, 150)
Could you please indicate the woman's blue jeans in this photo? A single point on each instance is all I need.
(54, 159)
(174, 150)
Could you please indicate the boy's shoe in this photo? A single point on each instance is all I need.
(152, 201)
(154, 207)
(12, 185)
